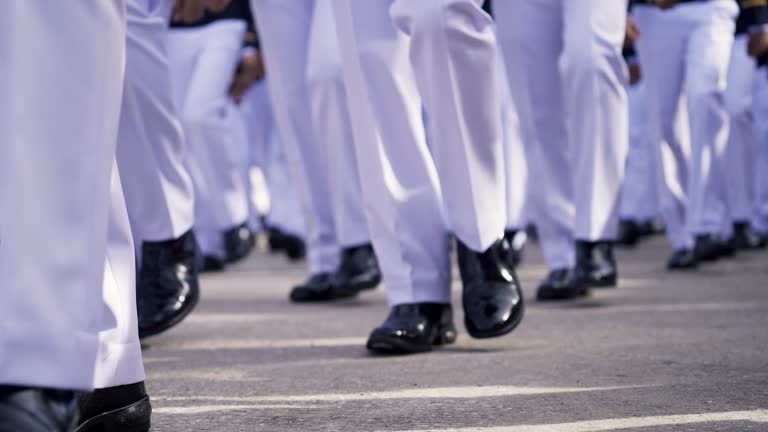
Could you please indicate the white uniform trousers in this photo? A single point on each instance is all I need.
(638, 194)
(203, 62)
(151, 150)
(742, 146)
(284, 27)
(515, 157)
(760, 213)
(691, 185)
(281, 201)
(62, 75)
(568, 80)
(330, 117)
(399, 177)
(119, 358)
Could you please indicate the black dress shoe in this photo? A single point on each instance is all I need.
(238, 243)
(682, 259)
(492, 298)
(561, 284)
(24, 409)
(711, 247)
(168, 287)
(413, 328)
(358, 270)
(275, 240)
(212, 264)
(319, 288)
(629, 233)
(595, 265)
(294, 247)
(116, 409)
(515, 252)
(745, 238)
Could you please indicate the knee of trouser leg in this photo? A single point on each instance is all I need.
(706, 88)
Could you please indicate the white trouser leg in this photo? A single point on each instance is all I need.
(285, 26)
(119, 361)
(330, 115)
(58, 133)
(707, 58)
(285, 212)
(638, 196)
(668, 131)
(760, 213)
(203, 62)
(514, 154)
(151, 150)
(398, 177)
(530, 35)
(741, 151)
(594, 82)
(453, 51)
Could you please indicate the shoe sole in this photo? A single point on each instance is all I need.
(604, 284)
(395, 346)
(549, 295)
(154, 331)
(132, 418)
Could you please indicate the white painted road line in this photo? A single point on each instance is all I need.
(420, 393)
(758, 416)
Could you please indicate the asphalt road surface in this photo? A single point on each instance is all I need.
(664, 352)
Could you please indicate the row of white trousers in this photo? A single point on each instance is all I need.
(437, 55)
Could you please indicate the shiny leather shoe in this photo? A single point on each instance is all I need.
(37, 410)
(414, 328)
(238, 243)
(358, 271)
(168, 287)
(319, 288)
(212, 264)
(516, 242)
(595, 265)
(682, 259)
(116, 409)
(275, 240)
(294, 247)
(711, 247)
(629, 233)
(492, 298)
(560, 284)
(744, 238)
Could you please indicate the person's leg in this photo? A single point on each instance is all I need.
(594, 81)
(151, 153)
(358, 269)
(51, 195)
(638, 196)
(120, 402)
(660, 52)
(707, 59)
(760, 210)
(284, 27)
(531, 37)
(516, 164)
(398, 177)
(454, 52)
(740, 154)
